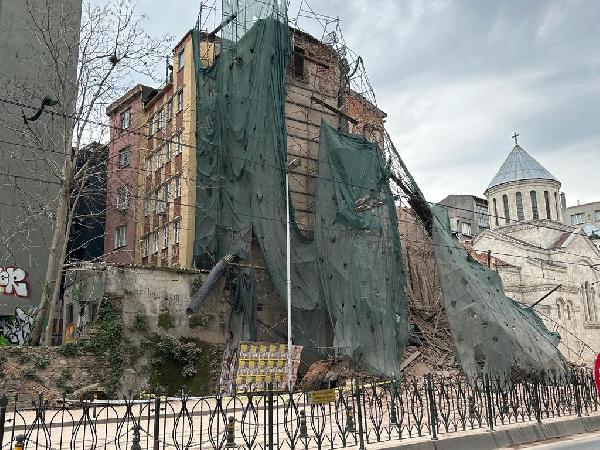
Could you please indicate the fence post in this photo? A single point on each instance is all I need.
(360, 418)
(270, 414)
(432, 407)
(575, 383)
(536, 400)
(3, 404)
(156, 423)
(489, 403)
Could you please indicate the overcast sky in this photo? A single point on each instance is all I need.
(457, 77)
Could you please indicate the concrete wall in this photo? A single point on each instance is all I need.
(27, 192)
(467, 209)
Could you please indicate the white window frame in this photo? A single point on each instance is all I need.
(150, 126)
(155, 242)
(147, 205)
(597, 215)
(170, 109)
(178, 142)
(121, 236)
(124, 157)
(122, 200)
(578, 219)
(160, 121)
(181, 60)
(177, 186)
(165, 243)
(125, 119)
(158, 158)
(149, 167)
(169, 150)
(176, 230)
(145, 245)
(465, 228)
(180, 100)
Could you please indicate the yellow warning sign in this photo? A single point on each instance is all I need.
(321, 397)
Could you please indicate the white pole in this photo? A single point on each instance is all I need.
(289, 281)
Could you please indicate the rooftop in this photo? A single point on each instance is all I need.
(520, 165)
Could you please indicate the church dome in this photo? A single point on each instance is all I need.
(519, 166)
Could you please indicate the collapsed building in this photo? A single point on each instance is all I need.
(209, 183)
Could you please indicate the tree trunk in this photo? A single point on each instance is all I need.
(53, 277)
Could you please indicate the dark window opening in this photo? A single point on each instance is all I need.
(299, 62)
(534, 205)
(496, 212)
(506, 209)
(70, 313)
(547, 200)
(519, 199)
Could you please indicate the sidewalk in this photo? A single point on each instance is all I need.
(507, 436)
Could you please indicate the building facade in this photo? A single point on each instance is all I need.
(468, 214)
(586, 216)
(158, 226)
(28, 187)
(541, 255)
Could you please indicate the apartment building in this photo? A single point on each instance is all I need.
(157, 226)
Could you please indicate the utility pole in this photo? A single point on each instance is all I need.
(294, 163)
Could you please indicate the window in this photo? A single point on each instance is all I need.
(170, 109)
(466, 229)
(506, 210)
(177, 186)
(519, 199)
(176, 229)
(597, 216)
(299, 62)
(147, 205)
(155, 242)
(178, 143)
(569, 309)
(181, 60)
(577, 219)
(145, 245)
(547, 202)
(165, 237)
(150, 126)
(158, 158)
(124, 156)
(167, 191)
(122, 198)
(180, 100)
(160, 121)
(125, 119)
(496, 212)
(149, 166)
(534, 205)
(121, 236)
(168, 150)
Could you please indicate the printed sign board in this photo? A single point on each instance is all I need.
(260, 363)
(322, 397)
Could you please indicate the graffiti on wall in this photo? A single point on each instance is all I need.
(13, 281)
(15, 329)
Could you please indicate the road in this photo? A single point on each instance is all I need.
(579, 442)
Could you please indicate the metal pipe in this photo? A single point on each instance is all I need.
(210, 280)
(288, 280)
(545, 296)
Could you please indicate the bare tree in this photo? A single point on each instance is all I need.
(108, 48)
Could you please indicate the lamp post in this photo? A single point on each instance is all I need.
(294, 163)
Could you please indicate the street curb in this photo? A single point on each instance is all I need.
(524, 434)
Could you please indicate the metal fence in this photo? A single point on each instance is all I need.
(361, 414)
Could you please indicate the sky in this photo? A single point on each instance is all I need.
(458, 77)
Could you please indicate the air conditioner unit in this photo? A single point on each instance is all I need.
(161, 207)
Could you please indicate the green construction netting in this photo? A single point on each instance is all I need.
(351, 273)
(492, 333)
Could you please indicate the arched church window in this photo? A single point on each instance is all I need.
(506, 210)
(559, 309)
(556, 205)
(496, 212)
(519, 199)
(547, 201)
(569, 310)
(534, 205)
(589, 302)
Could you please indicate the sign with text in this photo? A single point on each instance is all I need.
(322, 397)
(260, 363)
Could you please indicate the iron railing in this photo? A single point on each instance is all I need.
(361, 414)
